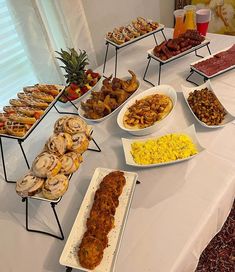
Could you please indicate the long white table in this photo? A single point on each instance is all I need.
(176, 209)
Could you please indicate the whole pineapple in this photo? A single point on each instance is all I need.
(74, 66)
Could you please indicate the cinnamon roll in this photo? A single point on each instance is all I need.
(58, 127)
(55, 187)
(73, 125)
(56, 144)
(80, 142)
(70, 162)
(46, 165)
(29, 185)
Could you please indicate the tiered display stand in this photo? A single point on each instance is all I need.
(151, 56)
(120, 46)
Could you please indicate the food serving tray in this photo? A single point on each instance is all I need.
(75, 101)
(160, 28)
(204, 43)
(186, 91)
(61, 89)
(190, 131)
(208, 57)
(69, 255)
(96, 89)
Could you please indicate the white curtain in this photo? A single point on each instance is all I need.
(47, 25)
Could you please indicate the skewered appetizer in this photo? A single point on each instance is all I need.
(136, 28)
(173, 47)
(79, 79)
(112, 94)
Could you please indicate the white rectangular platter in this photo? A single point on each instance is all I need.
(69, 255)
(186, 90)
(151, 54)
(190, 131)
(208, 57)
(160, 27)
(97, 89)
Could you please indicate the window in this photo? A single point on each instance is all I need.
(16, 71)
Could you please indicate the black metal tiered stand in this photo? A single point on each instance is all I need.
(118, 47)
(161, 62)
(205, 77)
(20, 141)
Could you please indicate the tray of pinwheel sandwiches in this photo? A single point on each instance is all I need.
(51, 170)
(136, 30)
(25, 112)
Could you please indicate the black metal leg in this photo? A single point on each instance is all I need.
(155, 39)
(187, 79)
(138, 182)
(159, 73)
(208, 49)
(198, 55)
(163, 34)
(69, 269)
(21, 147)
(106, 54)
(3, 164)
(25, 199)
(115, 73)
(92, 149)
(145, 72)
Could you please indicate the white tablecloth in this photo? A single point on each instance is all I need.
(176, 209)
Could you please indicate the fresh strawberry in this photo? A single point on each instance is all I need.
(37, 115)
(89, 71)
(94, 75)
(73, 86)
(84, 89)
(71, 94)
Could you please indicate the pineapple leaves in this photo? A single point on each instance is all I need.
(74, 65)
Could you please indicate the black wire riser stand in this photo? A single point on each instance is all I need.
(161, 63)
(53, 204)
(117, 48)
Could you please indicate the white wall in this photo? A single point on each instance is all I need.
(103, 15)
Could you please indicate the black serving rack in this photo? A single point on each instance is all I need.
(20, 140)
(162, 62)
(204, 76)
(118, 47)
(53, 204)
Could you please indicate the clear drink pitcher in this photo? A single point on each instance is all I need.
(179, 22)
(190, 17)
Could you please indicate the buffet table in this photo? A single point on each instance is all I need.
(176, 210)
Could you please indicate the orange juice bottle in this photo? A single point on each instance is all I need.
(190, 17)
(179, 22)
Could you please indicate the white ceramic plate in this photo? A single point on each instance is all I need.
(160, 27)
(160, 89)
(186, 90)
(190, 131)
(69, 255)
(204, 43)
(76, 101)
(208, 57)
(98, 88)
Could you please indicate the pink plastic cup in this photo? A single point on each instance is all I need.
(203, 17)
